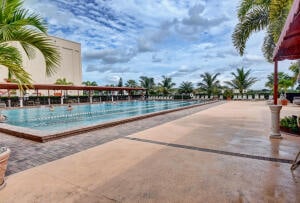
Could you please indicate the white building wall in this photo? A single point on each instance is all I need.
(70, 66)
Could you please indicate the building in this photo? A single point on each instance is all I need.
(70, 66)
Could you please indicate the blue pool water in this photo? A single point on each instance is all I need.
(85, 115)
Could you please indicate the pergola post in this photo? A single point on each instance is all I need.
(49, 100)
(90, 97)
(61, 98)
(9, 100)
(21, 99)
(275, 109)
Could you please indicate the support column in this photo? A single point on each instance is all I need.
(78, 99)
(275, 89)
(49, 100)
(90, 97)
(275, 117)
(61, 100)
(9, 100)
(21, 101)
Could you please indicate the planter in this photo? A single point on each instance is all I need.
(4, 155)
(228, 98)
(284, 102)
(290, 131)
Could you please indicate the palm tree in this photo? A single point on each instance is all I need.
(166, 85)
(209, 83)
(294, 67)
(253, 16)
(30, 32)
(284, 81)
(131, 83)
(241, 80)
(63, 81)
(147, 83)
(186, 87)
(89, 83)
(11, 58)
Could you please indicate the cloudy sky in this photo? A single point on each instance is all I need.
(130, 38)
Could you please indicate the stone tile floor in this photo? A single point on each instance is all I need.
(27, 154)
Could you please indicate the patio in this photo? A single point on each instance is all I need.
(225, 154)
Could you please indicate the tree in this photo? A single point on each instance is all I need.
(30, 32)
(89, 83)
(186, 87)
(284, 81)
(241, 80)
(120, 83)
(209, 83)
(11, 58)
(294, 67)
(63, 81)
(258, 15)
(147, 83)
(166, 85)
(131, 83)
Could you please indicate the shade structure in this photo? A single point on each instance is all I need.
(10, 86)
(288, 45)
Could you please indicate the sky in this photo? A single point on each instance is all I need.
(181, 39)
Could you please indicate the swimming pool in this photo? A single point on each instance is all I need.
(60, 119)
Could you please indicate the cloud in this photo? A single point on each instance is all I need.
(156, 59)
(110, 56)
(108, 69)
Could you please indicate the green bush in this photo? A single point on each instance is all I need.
(290, 122)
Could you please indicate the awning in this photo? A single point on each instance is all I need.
(288, 45)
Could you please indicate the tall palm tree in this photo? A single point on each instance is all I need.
(209, 83)
(131, 83)
(30, 32)
(284, 81)
(241, 80)
(258, 15)
(186, 87)
(166, 85)
(147, 83)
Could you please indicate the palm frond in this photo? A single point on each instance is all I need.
(257, 19)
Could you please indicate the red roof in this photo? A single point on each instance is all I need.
(68, 87)
(288, 45)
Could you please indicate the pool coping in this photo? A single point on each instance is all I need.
(40, 136)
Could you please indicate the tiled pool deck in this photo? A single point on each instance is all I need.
(219, 154)
(27, 154)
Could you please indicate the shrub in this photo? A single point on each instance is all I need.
(290, 122)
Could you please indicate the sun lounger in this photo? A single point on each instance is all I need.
(296, 100)
(2, 105)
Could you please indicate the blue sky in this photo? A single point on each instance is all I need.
(177, 38)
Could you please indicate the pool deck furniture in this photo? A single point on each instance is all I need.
(234, 162)
(296, 100)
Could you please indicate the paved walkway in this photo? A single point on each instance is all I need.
(214, 155)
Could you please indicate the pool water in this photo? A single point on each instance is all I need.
(60, 119)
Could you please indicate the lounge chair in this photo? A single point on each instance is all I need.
(296, 100)
(2, 105)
